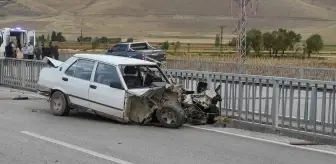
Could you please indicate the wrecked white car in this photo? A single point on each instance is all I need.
(123, 89)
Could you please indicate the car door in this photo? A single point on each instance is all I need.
(1, 38)
(6, 40)
(114, 50)
(76, 81)
(2, 44)
(106, 92)
(119, 50)
(31, 37)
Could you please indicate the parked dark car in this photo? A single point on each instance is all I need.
(138, 50)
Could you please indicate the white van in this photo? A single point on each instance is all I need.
(18, 35)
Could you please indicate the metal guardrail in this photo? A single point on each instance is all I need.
(324, 74)
(289, 104)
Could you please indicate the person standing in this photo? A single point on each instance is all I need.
(30, 51)
(25, 51)
(38, 51)
(13, 50)
(19, 53)
(9, 50)
(43, 50)
(50, 50)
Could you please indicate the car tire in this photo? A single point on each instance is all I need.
(59, 105)
(171, 115)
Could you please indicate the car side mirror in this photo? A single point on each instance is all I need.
(201, 87)
(116, 85)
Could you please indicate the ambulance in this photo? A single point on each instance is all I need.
(18, 35)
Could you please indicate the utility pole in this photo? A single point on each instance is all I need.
(81, 41)
(221, 37)
(241, 29)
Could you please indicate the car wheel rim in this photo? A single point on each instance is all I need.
(57, 104)
(168, 116)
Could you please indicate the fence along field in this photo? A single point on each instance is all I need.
(324, 74)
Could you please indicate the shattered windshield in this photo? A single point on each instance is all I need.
(142, 76)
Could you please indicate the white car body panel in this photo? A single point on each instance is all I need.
(77, 90)
(103, 99)
(138, 92)
(55, 63)
(107, 100)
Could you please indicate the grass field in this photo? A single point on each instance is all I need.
(192, 47)
(207, 52)
(206, 57)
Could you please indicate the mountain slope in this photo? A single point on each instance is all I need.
(160, 18)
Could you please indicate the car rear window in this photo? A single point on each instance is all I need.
(139, 46)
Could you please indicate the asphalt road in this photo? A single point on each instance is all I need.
(30, 134)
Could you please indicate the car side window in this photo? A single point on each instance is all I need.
(107, 75)
(122, 48)
(115, 48)
(81, 69)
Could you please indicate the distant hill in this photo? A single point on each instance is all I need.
(161, 19)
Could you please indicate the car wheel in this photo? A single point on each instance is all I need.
(171, 115)
(58, 104)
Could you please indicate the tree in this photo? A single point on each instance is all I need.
(53, 36)
(130, 40)
(268, 41)
(254, 40)
(177, 46)
(188, 47)
(217, 40)
(60, 37)
(165, 45)
(80, 39)
(292, 38)
(278, 41)
(87, 39)
(41, 38)
(282, 42)
(314, 44)
(104, 41)
(95, 43)
(233, 42)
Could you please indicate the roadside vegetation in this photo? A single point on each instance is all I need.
(278, 47)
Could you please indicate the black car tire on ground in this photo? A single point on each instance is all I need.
(59, 104)
(175, 113)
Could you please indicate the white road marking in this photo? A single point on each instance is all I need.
(264, 140)
(74, 147)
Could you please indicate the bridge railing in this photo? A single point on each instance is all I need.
(325, 74)
(286, 104)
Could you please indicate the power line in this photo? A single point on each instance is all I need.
(81, 37)
(221, 37)
(241, 28)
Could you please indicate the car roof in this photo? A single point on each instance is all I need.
(115, 60)
(130, 43)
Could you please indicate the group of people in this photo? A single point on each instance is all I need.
(28, 51)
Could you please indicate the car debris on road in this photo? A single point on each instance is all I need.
(126, 90)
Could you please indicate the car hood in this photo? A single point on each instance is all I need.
(146, 92)
(53, 62)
